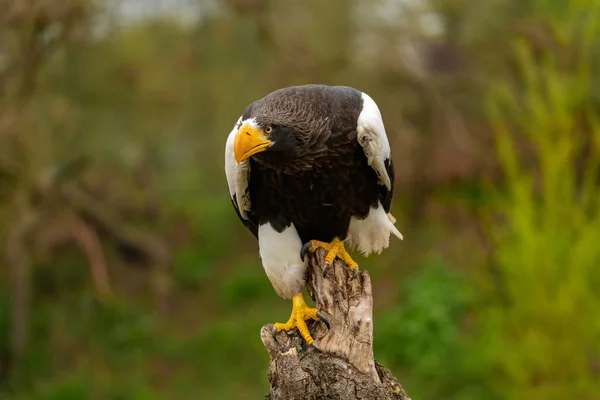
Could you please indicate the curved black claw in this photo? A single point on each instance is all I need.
(355, 273)
(304, 345)
(274, 333)
(304, 250)
(323, 318)
(325, 268)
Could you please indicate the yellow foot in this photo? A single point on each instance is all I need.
(300, 314)
(335, 248)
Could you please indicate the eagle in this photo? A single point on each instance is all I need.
(307, 167)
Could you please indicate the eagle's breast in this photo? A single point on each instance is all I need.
(320, 201)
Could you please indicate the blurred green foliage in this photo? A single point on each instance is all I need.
(129, 276)
(423, 335)
(543, 315)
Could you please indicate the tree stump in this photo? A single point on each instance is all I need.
(345, 367)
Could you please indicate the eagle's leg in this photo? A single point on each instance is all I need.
(335, 248)
(300, 314)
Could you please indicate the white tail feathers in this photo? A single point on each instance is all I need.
(372, 234)
(392, 218)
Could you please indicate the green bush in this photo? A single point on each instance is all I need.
(540, 327)
(424, 337)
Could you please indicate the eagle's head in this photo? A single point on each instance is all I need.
(287, 129)
(271, 144)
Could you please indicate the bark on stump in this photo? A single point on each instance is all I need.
(345, 369)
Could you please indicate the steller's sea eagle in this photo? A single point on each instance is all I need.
(307, 167)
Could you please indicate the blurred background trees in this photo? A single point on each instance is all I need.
(128, 275)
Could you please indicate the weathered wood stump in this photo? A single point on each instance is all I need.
(345, 368)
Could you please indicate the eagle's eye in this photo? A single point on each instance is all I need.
(268, 130)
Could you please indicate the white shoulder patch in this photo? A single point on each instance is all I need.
(373, 139)
(237, 175)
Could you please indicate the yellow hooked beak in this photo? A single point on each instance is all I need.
(249, 141)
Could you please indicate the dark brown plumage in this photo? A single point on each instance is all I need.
(316, 175)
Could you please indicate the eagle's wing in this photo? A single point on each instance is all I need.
(371, 234)
(238, 177)
(373, 139)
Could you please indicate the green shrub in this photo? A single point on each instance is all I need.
(541, 329)
(424, 336)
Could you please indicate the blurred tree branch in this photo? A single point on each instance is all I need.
(88, 240)
(16, 254)
(345, 369)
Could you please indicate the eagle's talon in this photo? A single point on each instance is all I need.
(316, 346)
(300, 314)
(274, 334)
(304, 346)
(356, 271)
(325, 268)
(334, 249)
(304, 250)
(323, 318)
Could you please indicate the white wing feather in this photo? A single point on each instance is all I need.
(373, 139)
(237, 175)
(372, 233)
